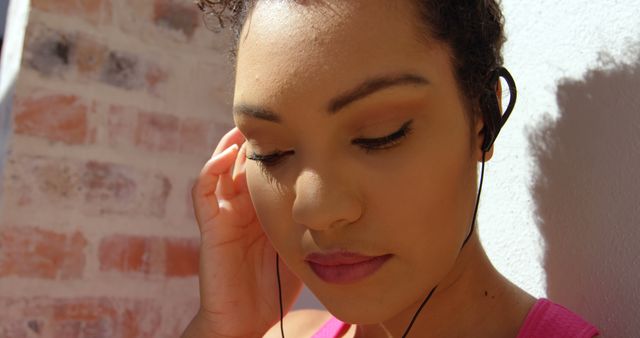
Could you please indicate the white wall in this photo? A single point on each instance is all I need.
(559, 211)
(560, 215)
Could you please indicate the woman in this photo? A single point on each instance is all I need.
(359, 128)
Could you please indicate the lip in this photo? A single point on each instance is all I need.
(344, 267)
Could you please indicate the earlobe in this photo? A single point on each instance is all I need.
(480, 141)
(488, 155)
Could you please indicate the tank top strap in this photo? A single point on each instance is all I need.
(550, 320)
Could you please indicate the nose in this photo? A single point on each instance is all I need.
(325, 200)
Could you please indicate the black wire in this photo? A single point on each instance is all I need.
(475, 211)
(406, 332)
(280, 295)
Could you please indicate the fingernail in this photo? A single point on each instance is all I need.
(232, 148)
(226, 151)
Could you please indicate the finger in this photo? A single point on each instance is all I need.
(239, 175)
(225, 189)
(233, 136)
(205, 202)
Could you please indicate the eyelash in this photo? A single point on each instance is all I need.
(369, 145)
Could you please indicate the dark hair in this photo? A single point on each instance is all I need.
(473, 30)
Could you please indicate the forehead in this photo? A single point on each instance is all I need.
(314, 49)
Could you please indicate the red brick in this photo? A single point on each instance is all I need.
(54, 117)
(127, 126)
(56, 180)
(157, 132)
(82, 310)
(37, 180)
(32, 252)
(176, 15)
(183, 257)
(89, 56)
(131, 254)
(48, 51)
(171, 257)
(93, 11)
(123, 70)
(118, 189)
(91, 188)
(106, 181)
(129, 71)
(82, 317)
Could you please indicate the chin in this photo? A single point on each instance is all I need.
(362, 314)
(355, 305)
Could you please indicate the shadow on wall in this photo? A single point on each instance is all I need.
(587, 195)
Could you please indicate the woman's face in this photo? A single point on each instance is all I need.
(306, 63)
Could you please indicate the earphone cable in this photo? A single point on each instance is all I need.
(406, 332)
(475, 211)
(280, 295)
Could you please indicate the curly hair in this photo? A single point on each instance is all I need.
(473, 29)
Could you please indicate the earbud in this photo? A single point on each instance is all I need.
(494, 118)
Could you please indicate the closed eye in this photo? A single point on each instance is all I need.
(386, 142)
(270, 160)
(368, 144)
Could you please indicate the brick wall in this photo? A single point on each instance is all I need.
(117, 106)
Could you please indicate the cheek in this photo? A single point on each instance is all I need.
(263, 193)
(272, 207)
(424, 207)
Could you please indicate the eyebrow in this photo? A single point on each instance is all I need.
(366, 88)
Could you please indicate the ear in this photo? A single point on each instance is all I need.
(480, 125)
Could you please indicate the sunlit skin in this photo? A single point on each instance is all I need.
(414, 200)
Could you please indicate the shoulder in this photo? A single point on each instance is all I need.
(300, 323)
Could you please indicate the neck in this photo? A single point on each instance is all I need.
(474, 299)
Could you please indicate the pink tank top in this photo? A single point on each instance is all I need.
(545, 320)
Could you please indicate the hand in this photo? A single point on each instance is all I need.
(238, 284)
